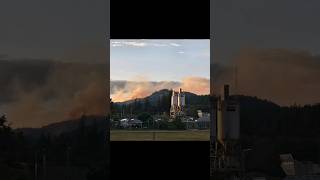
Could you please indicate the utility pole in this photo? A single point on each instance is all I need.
(44, 163)
(36, 167)
(68, 162)
(188, 123)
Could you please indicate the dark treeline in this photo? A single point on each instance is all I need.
(77, 154)
(266, 119)
(155, 104)
(270, 130)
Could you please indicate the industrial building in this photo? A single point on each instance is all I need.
(177, 103)
(226, 154)
(299, 170)
(203, 122)
(130, 123)
(228, 118)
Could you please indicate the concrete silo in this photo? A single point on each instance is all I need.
(225, 152)
(228, 118)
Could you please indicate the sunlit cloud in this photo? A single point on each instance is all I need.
(175, 44)
(128, 90)
(128, 43)
(142, 43)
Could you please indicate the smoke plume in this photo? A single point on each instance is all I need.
(57, 92)
(284, 76)
(196, 85)
(35, 93)
(127, 90)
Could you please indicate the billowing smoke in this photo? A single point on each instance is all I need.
(284, 76)
(52, 92)
(127, 90)
(198, 85)
(39, 92)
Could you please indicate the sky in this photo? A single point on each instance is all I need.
(274, 45)
(56, 29)
(265, 24)
(159, 60)
(62, 30)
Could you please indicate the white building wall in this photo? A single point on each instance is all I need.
(174, 99)
(181, 98)
(232, 122)
(228, 122)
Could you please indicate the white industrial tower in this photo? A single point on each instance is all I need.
(177, 103)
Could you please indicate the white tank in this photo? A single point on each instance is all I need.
(181, 100)
(174, 99)
(232, 118)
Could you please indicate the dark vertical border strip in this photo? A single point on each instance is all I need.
(212, 99)
(107, 39)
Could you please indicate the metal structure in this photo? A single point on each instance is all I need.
(299, 169)
(177, 103)
(226, 154)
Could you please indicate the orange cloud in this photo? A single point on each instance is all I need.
(197, 85)
(134, 89)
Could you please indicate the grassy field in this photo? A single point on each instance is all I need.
(160, 135)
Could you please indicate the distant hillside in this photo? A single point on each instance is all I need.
(154, 97)
(258, 117)
(151, 98)
(56, 129)
(191, 98)
(159, 102)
